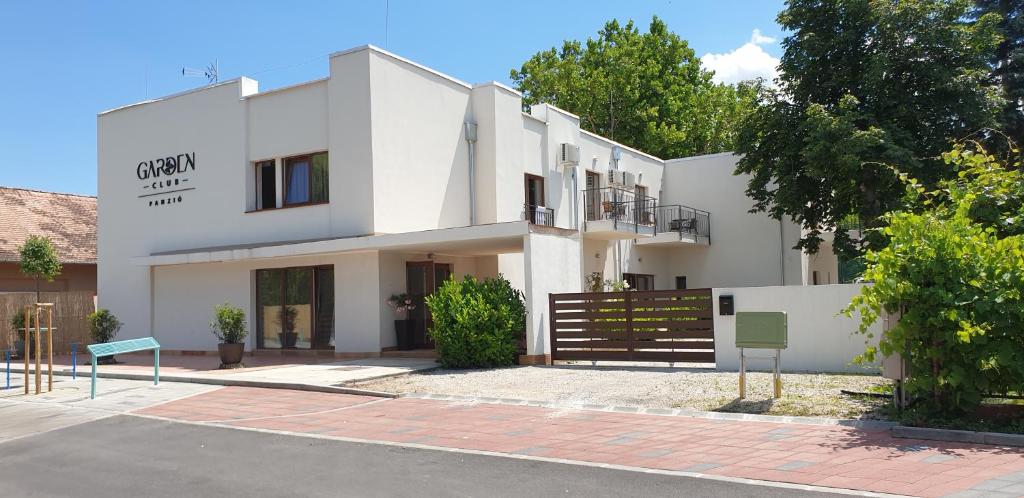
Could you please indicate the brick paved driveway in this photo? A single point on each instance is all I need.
(832, 456)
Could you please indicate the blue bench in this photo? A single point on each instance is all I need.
(120, 347)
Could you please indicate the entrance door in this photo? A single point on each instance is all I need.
(593, 197)
(423, 278)
(534, 186)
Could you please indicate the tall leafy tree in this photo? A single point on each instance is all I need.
(1007, 63)
(646, 90)
(865, 85)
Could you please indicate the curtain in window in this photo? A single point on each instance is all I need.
(298, 183)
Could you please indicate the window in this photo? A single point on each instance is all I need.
(306, 179)
(680, 283)
(639, 281)
(266, 185)
(295, 308)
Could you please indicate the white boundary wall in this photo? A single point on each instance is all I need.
(820, 340)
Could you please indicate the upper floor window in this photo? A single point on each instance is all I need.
(266, 185)
(306, 179)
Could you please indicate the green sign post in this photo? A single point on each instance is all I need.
(761, 330)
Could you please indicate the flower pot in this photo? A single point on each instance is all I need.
(288, 339)
(19, 349)
(404, 330)
(230, 354)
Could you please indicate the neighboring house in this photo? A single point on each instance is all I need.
(310, 205)
(70, 223)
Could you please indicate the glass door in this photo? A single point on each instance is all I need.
(423, 278)
(295, 308)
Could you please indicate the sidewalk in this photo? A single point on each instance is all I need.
(830, 456)
(301, 373)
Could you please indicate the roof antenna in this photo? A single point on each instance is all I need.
(210, 73)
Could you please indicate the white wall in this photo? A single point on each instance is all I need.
(819, 339)
(746, 249)
(552, 265)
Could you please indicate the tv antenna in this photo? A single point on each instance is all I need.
(210, 73)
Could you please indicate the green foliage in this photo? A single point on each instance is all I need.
(477, 324)
(18, 322)
(594, 283)
(865, 84)
(39, 260)
(1007, 65)
(229, 324)
(953, 271)
(646, 90)
(103, 325)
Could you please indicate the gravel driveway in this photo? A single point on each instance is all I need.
(802, 394)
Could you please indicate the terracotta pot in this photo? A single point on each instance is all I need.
(230, 354)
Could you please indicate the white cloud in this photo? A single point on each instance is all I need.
(745, 63)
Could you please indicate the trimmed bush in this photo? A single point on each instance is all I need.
(103, 325)
(476, 324)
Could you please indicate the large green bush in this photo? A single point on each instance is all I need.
(953, 272)
(103, 325)
(477, 323)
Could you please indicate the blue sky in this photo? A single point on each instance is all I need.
(64, 63)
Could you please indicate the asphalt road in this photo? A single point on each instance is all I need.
(126, 456)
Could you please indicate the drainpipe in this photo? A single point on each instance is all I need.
(782, 255)
(471, 141)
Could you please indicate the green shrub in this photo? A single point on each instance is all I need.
(103, 325)
(228, 324)
(476, 324)
(953, 270)
(18, 322)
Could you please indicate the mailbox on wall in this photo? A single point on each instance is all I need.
(725, 305)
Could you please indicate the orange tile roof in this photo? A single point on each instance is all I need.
(68, 220)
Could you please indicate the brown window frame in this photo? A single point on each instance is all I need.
(285, 163)
(257, 185)
(314, 308)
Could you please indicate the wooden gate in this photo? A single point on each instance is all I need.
(662, 326)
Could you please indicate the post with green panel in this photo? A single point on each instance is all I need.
(761, 330)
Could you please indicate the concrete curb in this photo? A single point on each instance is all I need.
(294, 386)
(668, 412)
(958, 436)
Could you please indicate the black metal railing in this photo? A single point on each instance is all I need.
(539, 215)
(618, 205)
(683, 220)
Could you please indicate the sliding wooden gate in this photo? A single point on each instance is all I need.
(662, 326)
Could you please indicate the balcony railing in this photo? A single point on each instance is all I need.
(683, 220)
(539, 215)
(619, 206)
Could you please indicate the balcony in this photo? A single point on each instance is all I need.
(615, 214)
(678, 224)
(539, 215)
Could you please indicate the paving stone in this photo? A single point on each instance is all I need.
(794, 465)
(938, 459)
(701, 467)
(655, 453)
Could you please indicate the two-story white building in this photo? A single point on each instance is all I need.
(310, 205)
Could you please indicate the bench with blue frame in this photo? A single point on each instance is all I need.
(121, 347)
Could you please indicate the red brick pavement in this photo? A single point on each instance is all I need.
(832, 456)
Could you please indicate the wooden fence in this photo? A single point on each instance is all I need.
(659, 326)
(70, 309)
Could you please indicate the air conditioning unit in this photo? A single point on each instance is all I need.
(568, 155)
(620, 178)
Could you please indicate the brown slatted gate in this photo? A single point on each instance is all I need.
(663, 326)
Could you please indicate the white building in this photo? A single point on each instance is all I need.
(327, 197)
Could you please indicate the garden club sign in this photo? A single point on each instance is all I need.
(166, 178)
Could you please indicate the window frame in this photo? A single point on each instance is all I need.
(286, 176)
(634, 276)
(314, 307)
(258, 184)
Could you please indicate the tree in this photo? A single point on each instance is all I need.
(646, 90)
(1007, 63)
(39, 260)
(953, 270)
(864, 84)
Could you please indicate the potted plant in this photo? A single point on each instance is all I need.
(404, 328)
(229, 326)
(288, 336)
(18, 327)
(103, 326)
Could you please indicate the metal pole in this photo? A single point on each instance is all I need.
(7, 360)
(743, 375)
(92, 389)
(156, 366)
(74, 360)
